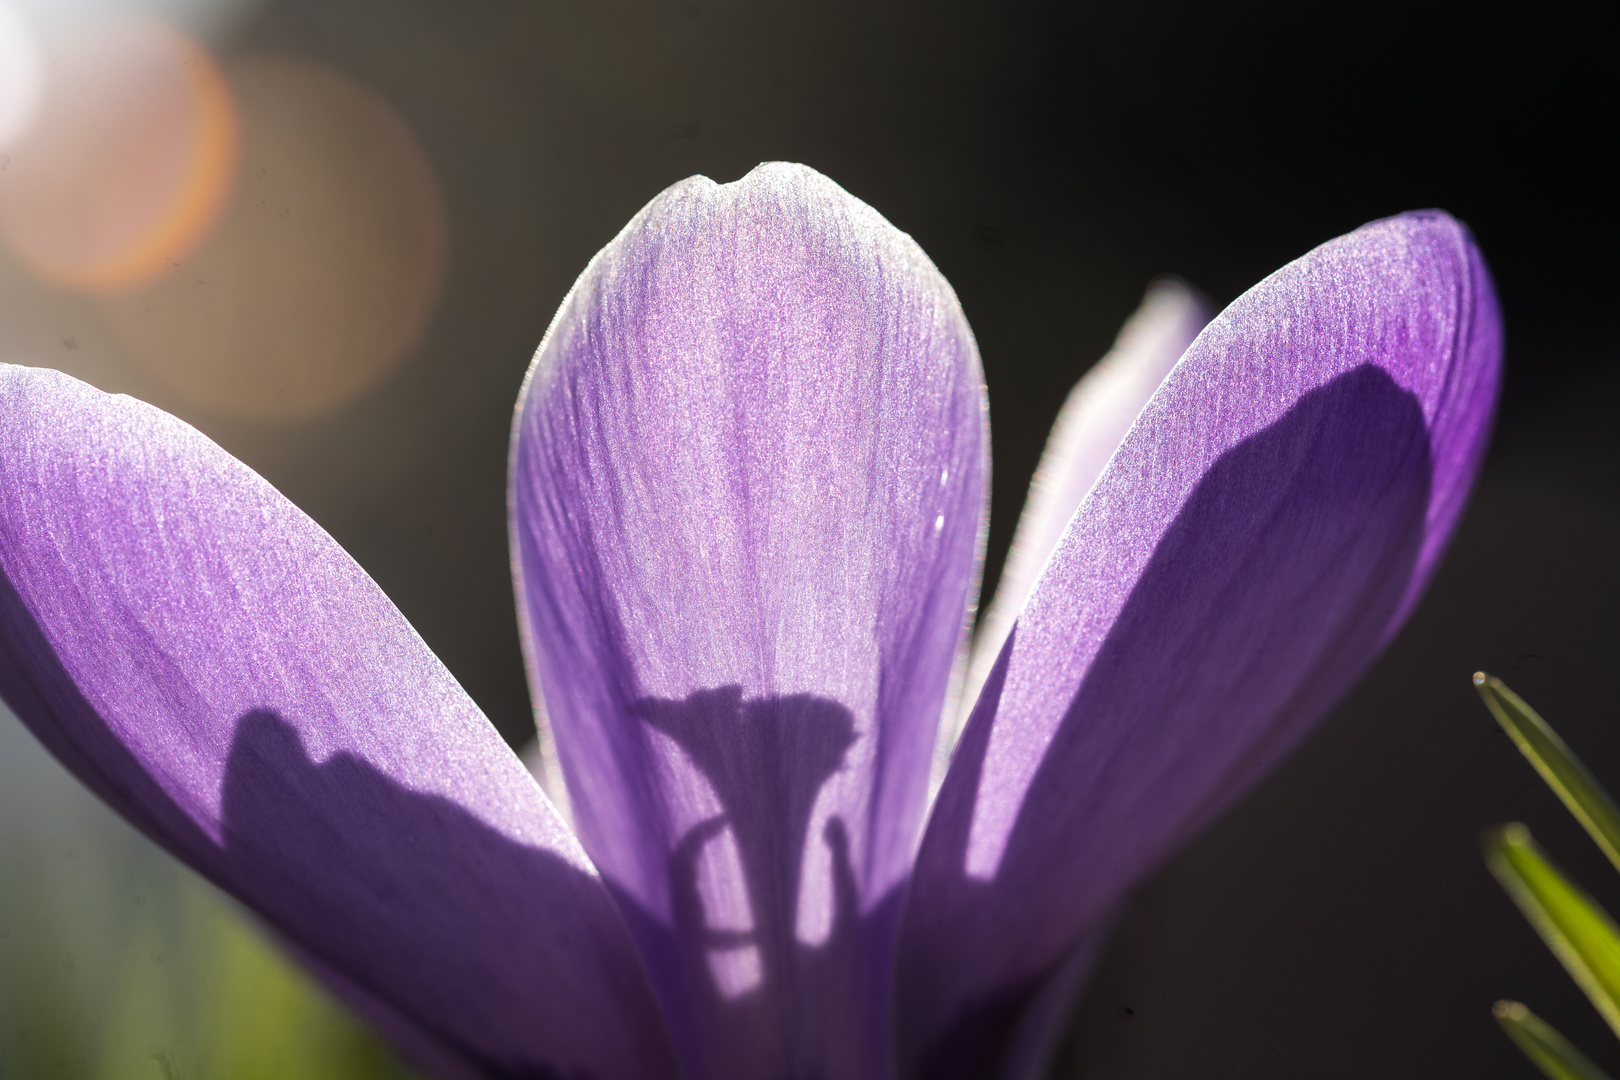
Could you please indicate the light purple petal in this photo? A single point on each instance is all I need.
(1098, 412)
(1257, 539)
(748, 474)
(213, 665)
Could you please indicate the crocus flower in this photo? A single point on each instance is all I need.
(748, 484)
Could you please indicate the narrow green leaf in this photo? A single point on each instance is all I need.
(1552, 1053)
(1579, 932)
(1558, 766)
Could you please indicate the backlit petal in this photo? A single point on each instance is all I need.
(1098, 412)
(748, 474)
(1259, 536)
(212, 664)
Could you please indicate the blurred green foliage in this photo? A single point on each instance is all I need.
(1553, 1054)
(116, 963)
(1574, 926)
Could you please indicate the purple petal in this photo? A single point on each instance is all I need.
(1099, 411)
(216, 668)
(748, 474)
(1259, 536)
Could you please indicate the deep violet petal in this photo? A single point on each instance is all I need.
(747, 483)
(212, 664)
(1259, 536)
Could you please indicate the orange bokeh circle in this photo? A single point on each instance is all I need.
(323, 272)
(129, 162)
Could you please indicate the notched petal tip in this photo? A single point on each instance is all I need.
(747, 479)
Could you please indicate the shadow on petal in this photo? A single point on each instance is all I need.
(406, 902)
(212, 664)
(1273, 588)
(336, 842)
(735, 964)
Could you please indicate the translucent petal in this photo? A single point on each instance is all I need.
(1099, 411)
(747, 483)
(1260, 534)
(212, 664)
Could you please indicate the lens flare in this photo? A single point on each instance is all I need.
(325, 268)
(129, 162)
(22, 77)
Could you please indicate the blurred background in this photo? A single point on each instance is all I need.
(330, 234)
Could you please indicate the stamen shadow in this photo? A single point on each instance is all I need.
(765, 761)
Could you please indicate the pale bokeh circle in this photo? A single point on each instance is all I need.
(22, 77)
(128, 161)
(323, 272)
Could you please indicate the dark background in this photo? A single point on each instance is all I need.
(1052, 159)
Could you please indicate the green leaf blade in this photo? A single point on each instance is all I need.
(1553, 1054)
(1579, 932)
(1557, 764)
